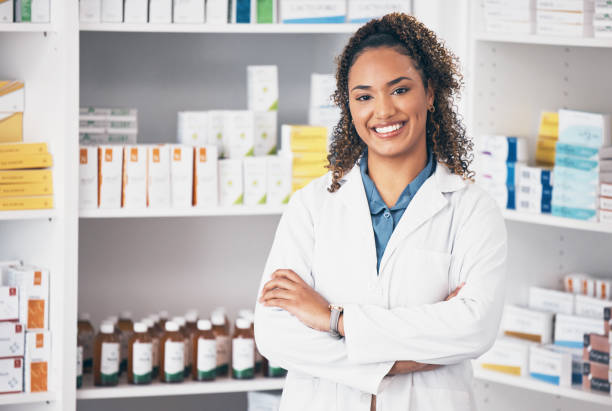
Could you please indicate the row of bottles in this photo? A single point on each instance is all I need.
(170, 350)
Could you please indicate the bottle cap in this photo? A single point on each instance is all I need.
(107, 327)
(179, 320)
(218, 318)
(140, 327)
(204, 325)
(191, 317)
(171, 326)
(113, 319)
(126, 315)
(148, 322)
(163, 314)
(243, 323)
(221, 310)
(246, 313)
(192, 311)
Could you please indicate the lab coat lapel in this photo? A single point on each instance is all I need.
(427, 202)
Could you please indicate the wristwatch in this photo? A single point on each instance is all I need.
(334, 318)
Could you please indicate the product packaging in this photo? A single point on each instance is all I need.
(12, 96)
(6, 11)
(596, 348)
(181, 176)
(508, 356)
(136, 11)
(206, 179)
(88, 177)
(110, 164)
(12, 339)
(11, 375)
(504, 149)
(595, 377)
(112, 11)
(527, 324)
(362, 11)
(9, 303)
(230, 182)
(192, 127)
(552, 301)
(38, 354)
(188, 11)
(255, 180)
(570, 329)
(266, 11)
(322, 88)
(33, 284)
(216, 131)
(550, 366)
(239, 138)
(265, 132)
(217, 11)
(585, 129)
(158, 193)
(134, 177)
(279, 180)
(262, 88)
(312, 11)
(160, 11)
(592, 307)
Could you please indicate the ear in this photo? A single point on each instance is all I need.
(430, 93)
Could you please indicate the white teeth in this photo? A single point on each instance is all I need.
(388, 129)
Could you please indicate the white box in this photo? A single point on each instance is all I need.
(88, 177)
(508, 356)
(562, 18)
(504, 148)
(361, 11)
(136, 11)
(527, 324)
(533, 176)
(255, 180)
(38, 354)
(605, 217)
(579, 283)
(39, 10)
(551, 300)
(6, 11)
(605, 189)
(325, 117)
(586, 306)
(158, 191)
(566, 5)
(322, 88)
(110, 166)
(12, 96)
(12, 339)
(551, 366)
(265, 133)
(262, 88)
(11, 375)
(602, 289)
(230, 182)
(216, 131)
(192, 128)
(206, 178)
(586, 129)
(312, 11)
(112, 11)
(217, 11)
(188, 11)
(134, 177)
(279, 176)
(160, 11)
(33, 283)
(570, 329)
(238, 132)
(9, 303)
(181, 176)
(605, 203)
(4, 266)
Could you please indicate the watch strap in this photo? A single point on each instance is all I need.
(334, 319)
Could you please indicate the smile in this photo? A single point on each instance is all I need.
(390, 129)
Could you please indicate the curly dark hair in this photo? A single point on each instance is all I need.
(446, 136)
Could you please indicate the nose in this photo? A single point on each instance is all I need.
(384, 107)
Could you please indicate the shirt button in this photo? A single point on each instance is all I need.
(387, 215)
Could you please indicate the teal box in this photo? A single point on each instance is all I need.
(588, 153)
(575, 213)
(577, 163)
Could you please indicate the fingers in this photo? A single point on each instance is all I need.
(278, 283)
(455, 292)
(280, 303)
(277, 293)
(288, 274)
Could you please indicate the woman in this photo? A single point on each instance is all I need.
(355, 297)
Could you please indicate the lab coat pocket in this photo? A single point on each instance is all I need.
(299, 389)
(419, 277)
(427, 399)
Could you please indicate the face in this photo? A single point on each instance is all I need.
(388, 103)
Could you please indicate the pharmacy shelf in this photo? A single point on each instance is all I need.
(221, 28)
(576, 392)
(549, 220)
(23, 398)
(544, 40)
(27, 214)
(158, 389)
(237, 210)
(26, 27)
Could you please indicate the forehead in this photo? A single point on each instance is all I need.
(380, 65)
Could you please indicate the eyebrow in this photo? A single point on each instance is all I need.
(390, 83)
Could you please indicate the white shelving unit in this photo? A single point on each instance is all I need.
(190, 212)
(222, 28)
(27, 215)
(26, 27)
(544, 40)
(14, 399)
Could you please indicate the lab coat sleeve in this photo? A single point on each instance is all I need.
(281, 337)
(445, 332)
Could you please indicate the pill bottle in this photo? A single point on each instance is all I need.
(172, 354)
(162, 319)
(140, 355)
(79, 370)
(191, 322)
(243, 350)
(249, 315)
(224, 342)
(126, 329)
(223, 312)
(204, 352)
(86, 335)
(106, 356)
(188, 352)
(272, 370)
(155, 337)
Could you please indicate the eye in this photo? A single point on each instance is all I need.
(363, 98)
(400, 90)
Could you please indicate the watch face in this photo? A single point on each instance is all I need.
(337, 307)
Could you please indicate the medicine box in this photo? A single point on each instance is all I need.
(112, 11)
(508, 356)
(605, 203)
(11, 375)
(12, 96)
(312, 11)
(217, 11)
(605, 189)
(279, 180)
(504, 148)
(134, 194)
(12, 339)
(595, 377)
(6, 11)
(582, 128)
(322, 87)
(550, 366)
(158, 191)
(231, 190)
(527, 324)
(206, 178)
(361, 11)
(586, 306)
(192, 127)
(33, 283)
(262, 88)
(533, 176)
(552, 301)
(9, 302)
(38, 353)
(605, 216)
(135, 11)
(181, 176)
(216, 131)
(566, 5)
(188, 11)
(570, 329)
(255, 180)
(238, 130)
(110, 164)
(160, 11)
(265, 132)
(596, 348)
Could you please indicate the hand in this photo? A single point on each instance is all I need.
(288, 291)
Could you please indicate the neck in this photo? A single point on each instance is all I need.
(391, 175)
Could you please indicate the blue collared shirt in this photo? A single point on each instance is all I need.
(385, 219)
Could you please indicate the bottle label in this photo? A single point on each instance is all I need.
(174, 361)
(79, 371)
(109, 363)
(223, 354)
(207, 358)
(86, 339)
(243, 358)
(142, 362)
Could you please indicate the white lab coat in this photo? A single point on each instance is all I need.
(451, 232)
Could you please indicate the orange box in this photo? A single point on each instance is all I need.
(37, 355)
(33, 283)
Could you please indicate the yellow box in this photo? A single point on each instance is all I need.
(21, 161)
(25, 176)
(11, 127)
(23, 148)
(22, 190)
(549, 124)
(26, 203)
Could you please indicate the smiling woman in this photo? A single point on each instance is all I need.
(386, 275)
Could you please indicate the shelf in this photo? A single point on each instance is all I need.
(158, 389)
(26, 27)
(545, 40)
(189, 212)
(24, 398)
(576, 392)
(27, 214)
(223, 28)
(549, 220)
